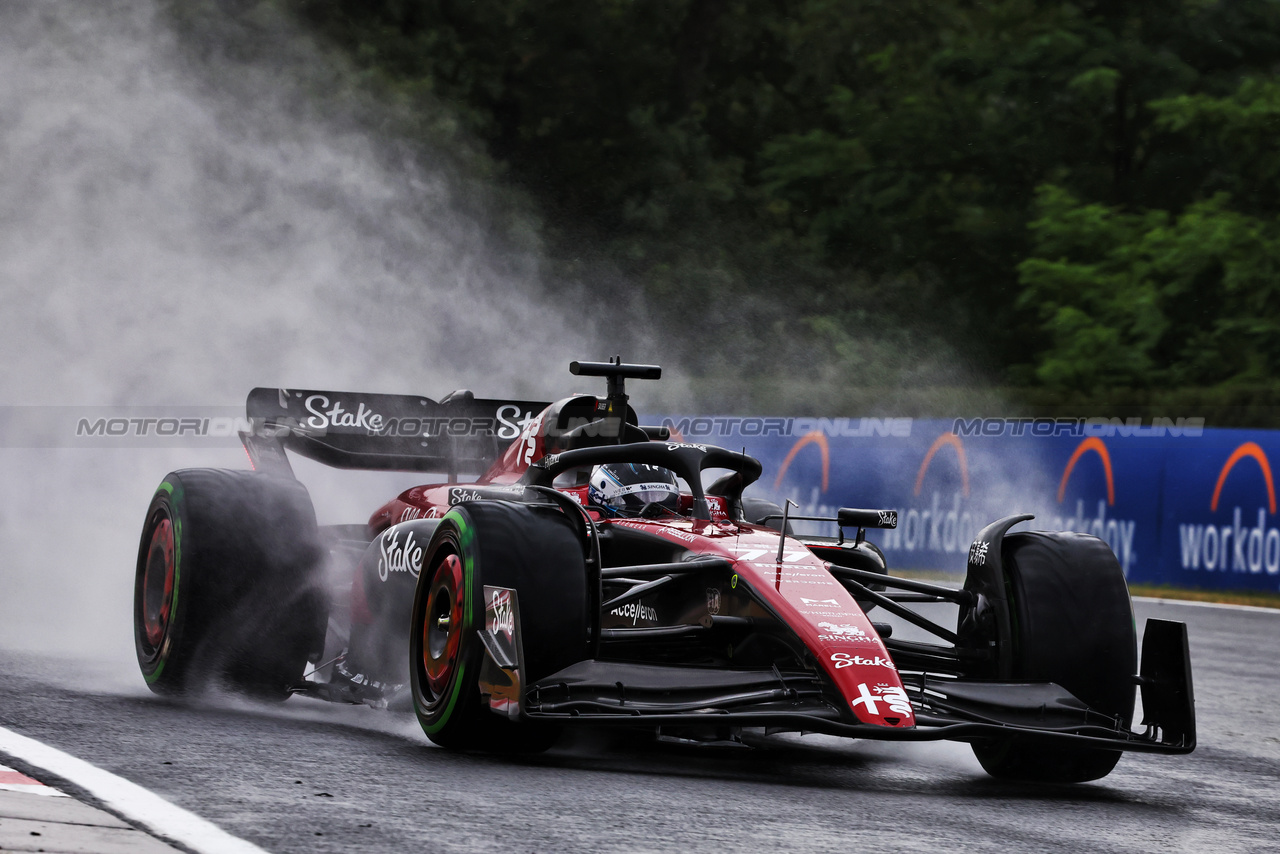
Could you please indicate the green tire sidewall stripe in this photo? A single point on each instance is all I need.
(466, 541)
(175, 496)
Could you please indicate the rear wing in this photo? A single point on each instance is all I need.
(460, 435)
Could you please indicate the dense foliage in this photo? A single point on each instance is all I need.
(1076, 197)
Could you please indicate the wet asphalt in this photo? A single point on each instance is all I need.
(305, 776)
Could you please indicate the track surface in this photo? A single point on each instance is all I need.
(307, 777)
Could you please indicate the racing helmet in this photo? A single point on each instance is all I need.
(624, 489)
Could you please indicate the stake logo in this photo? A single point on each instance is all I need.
(394, 557)
(325, 415)
(844, 659)
(502, 614)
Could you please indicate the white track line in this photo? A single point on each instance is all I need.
(129, 799)
(1193, 604)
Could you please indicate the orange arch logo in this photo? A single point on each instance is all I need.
(1248, 449)
(814, 438)
(953, 441)
(1093, 443)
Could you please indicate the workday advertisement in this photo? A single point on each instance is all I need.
(1177, 502)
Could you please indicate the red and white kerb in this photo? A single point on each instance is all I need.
(16, 781)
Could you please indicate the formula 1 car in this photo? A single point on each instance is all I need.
(575, 568)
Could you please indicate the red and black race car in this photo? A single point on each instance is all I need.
(576, 568)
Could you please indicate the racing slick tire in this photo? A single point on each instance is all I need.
(756, 510)
(501, 544)
(228, 592)
(1072, 624)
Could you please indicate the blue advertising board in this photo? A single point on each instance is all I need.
(1178, 503)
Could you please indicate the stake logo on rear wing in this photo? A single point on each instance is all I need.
(458, 435)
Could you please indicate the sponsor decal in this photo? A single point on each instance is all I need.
(888, 518)
(841, 630)
(529, 444)
(679, 534)
(844, 659)
(636, 611)
(749, 553)
(820, 603)
(1237, 546)
(675, 446)
(325, 415)
(978, 553)
(812, 438)
(397, 557)
(945, 440)
(512, 421)
(459, 494)
(713, 601)
(408, 514)
(891, 695)
(502, 615)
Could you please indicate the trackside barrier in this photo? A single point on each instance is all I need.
(1179, 503)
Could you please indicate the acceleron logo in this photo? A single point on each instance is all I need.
(1238, 546)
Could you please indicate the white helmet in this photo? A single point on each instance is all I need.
(624, 489)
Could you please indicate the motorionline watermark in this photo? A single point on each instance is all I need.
(705, 426)
(69, 426)
(1102, 427)
(150, 426)
(107, 426)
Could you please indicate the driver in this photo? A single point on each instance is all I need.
(625, 489)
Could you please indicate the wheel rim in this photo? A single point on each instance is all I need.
(157, 583)
(443, 625)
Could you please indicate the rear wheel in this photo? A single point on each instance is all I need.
(500, 544)
(1071, 623)
(227, 588)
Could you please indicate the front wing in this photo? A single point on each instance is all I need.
(633, 694)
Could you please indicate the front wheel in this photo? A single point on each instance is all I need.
(1071, 622)
(504, 546)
